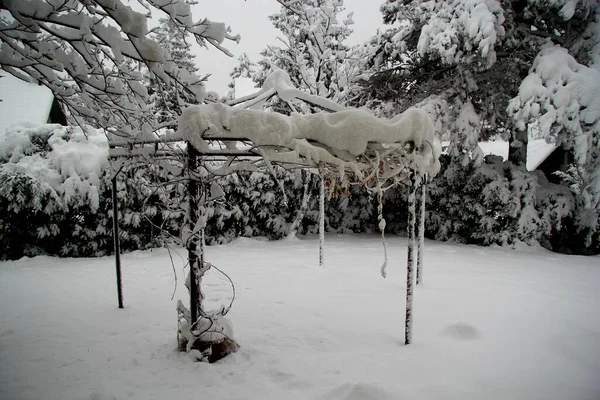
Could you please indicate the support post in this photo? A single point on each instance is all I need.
(410, 267)
(192, 242)
(321, 218)
(421, 232)
(117, 244)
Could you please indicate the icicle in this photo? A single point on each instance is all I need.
(380, 217)
(382, 229)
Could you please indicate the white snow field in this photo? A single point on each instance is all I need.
(490, 323)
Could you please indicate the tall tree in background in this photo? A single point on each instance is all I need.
(313, 53)
(168, 100)
(463, 55)
(244, 69)
(312, 49)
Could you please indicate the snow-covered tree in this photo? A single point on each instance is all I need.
(87, 53)
(472, 51)
(312, 52)
(244, 69)
(484, 68)
(167, 100)
(312, 49)
(561, 97)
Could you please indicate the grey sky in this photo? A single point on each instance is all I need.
(250, 19)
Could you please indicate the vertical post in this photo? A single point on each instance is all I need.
(321, 218)
(116, 239)
(192, 242)
(410, 267)
(421, 232)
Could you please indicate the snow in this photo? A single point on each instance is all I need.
(493, 323)
(347, 133)
(244, 87)
(23, 102)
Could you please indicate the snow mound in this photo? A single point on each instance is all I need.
(358, 391)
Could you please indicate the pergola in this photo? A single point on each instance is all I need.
(232, 137)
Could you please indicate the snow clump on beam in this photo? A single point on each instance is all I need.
(349, 140)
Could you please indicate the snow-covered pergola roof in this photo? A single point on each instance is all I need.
(345, 141)
(340, 140)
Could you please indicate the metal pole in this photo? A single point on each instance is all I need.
(116, 240)
(192, 243)
(321, 219)
(410, 264)
(421, 230)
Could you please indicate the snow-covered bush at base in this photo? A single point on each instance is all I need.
(497, 203)
(55, 196)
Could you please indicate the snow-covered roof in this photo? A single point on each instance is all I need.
(537, 151)
(23, 102)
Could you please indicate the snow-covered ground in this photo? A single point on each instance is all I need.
(490, 323)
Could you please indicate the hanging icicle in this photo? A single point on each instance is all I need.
(380, 219)
(382, 229)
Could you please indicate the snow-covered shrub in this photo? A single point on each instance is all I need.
(493, 203)
(351, 209)
(50, 184)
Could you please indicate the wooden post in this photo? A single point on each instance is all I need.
(421, 232)
(192, 242)
(117, 244)
(321, 218)
(410, 267)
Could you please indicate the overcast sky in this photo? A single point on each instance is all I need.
(249, 18)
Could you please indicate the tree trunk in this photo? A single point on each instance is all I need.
(410, 267)
(192, 242)
(303, 207)
(517, 147)
(117, 244)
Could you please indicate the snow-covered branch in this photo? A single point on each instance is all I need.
(89, 54)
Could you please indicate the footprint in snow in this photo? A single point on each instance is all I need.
(462, 331)
(358, 391)
(101, 396)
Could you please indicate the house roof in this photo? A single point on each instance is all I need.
(537, 151)
(23, 102)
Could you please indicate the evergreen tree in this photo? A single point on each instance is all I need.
(313, 51)
(472, 53)
(244, 69)
(168, 100)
